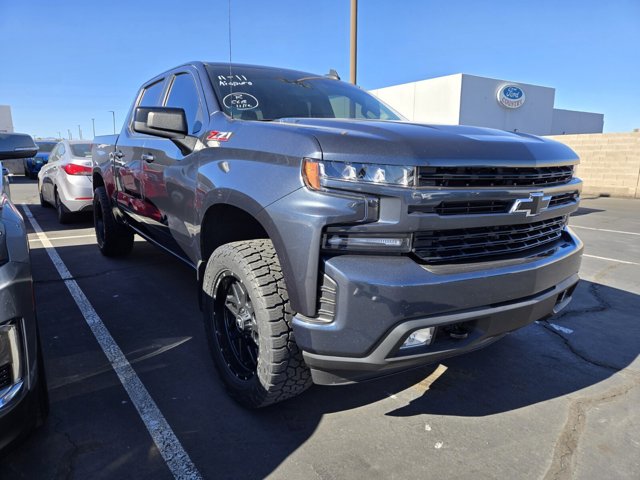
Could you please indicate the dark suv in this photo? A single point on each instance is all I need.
(334, 241)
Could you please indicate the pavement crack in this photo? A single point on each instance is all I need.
(94, 275)
(602, 305)
(65, 466)
(564, 457)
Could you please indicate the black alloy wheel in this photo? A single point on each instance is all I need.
(234, 324)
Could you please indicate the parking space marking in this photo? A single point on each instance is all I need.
(605, 230)
(626, 262)
(68, 237)
(168, 445)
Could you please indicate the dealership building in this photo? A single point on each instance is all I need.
(463, 99)
(6, 123)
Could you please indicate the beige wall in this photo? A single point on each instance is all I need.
(609, 162)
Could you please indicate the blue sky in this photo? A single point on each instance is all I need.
(63, 63)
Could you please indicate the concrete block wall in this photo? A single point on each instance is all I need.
(609, 162)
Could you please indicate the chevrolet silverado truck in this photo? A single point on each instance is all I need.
(333, 240)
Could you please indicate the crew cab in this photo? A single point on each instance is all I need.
(333, 240)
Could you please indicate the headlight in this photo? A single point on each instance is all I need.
(315, 171)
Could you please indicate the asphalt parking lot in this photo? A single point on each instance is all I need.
(554, 400)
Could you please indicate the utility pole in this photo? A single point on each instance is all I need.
(79, 132)
(93, 124)
(354, 40)
(114, 121)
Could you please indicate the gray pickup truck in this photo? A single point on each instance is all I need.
(333, 240)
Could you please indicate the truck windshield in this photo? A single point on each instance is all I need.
(254, 93)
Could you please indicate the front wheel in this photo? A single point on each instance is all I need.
(64, 216)
(248, 324)
(114, 239)
(43, 202)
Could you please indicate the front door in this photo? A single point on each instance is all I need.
(128, 162)
(168, 177)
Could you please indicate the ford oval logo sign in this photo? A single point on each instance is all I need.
(511, 96)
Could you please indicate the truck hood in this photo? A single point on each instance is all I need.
(396, 143)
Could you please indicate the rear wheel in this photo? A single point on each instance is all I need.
(114, 239)
(248, 324)
(64, 216)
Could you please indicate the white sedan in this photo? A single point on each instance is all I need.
(65, 181)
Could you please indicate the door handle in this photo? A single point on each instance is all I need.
(148, 157)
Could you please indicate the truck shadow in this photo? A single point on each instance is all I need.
(593, 339)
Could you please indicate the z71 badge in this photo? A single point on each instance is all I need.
(215, 136)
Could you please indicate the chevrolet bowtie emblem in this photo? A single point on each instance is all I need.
(532, 206)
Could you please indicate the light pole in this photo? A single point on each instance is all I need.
(93, 124)
(354, 40)
(79, 132)
(59, 135)
(70, 136)
(114, 121)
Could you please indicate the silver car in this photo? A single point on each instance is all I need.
(65, 182)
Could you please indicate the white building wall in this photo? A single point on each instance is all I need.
(463, 99)
(566, 122)
(6, 122)
(480, 106)
(436, 100)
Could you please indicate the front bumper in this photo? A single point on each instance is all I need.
(381, 300)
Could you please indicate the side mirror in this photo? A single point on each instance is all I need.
(165, 122)
(162, 122)
(16, 145)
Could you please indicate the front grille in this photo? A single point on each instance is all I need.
(493, 176)
(481, 242)
(5, 376)
(563, 199)
(478, 207)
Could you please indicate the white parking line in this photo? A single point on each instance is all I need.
(68, 237)
(605, 230)
(611, 259)
(166, 441)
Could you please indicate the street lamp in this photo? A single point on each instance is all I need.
(70, 136)
(114, 121)
(79, 132)
(93, 124)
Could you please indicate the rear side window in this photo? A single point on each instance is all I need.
(184, 94)
(151, 95)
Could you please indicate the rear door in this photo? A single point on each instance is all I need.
(127, 159)
(168, 177)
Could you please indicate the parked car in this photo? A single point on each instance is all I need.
(24, 401)
(65, 181)
(32, 165)
(333, 240)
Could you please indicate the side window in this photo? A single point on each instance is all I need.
(61, 150)
(151, 95)
(184, 94)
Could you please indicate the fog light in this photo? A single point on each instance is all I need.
(419, 338)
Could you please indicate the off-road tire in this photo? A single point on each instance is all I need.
(281, 372)
(114, 239)
(64, 216)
